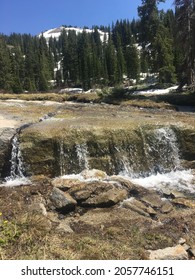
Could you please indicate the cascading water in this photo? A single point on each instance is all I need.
(61, 160)
(156, 151)
(161, 154)
(82, 154)
(161, 150)
(17, 170)
(72, 159)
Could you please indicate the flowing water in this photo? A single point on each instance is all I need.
(158, 167)
(17, 169)
(82, 155)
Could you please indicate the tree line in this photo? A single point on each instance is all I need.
(158, 42)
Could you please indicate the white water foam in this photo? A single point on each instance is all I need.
(180, 180)
(16, 182)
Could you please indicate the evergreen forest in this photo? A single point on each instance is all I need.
(158, 42)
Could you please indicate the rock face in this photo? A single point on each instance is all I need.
(6, 135)
(69, 151)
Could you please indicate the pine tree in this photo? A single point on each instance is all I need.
(5, 66)
(17, 69)
(185, 15)
(156, 41)
(111, 62)
(84, 53)
(132, 62)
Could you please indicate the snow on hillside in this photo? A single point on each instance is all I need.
(157, 91)
(56, 32)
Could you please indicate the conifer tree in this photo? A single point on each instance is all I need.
(156, 41)
(111, 62)
(5, 66)
(185, 16)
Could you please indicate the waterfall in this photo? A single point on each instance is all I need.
(17, 167)
(82, 155)
(159, 154)
(61, 162)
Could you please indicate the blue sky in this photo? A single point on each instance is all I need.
(35, 16)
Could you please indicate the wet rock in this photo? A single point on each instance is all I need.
(64, 183)
(93, 173)
(184, 202)
(172, 193)
(133, 189)
(169, 253)
(61, 201)
(6, 135)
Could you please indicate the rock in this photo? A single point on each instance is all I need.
(64, 227)
(93, 173)
(169, 253)
(98, 194)
(64, 183)
(192, 251)
(189, 203)
(61, 201)
(182, 241)
(186, 247)
(172, 193)
(136, 206)
(38, 208)
(167, 207)
(151, 211)
(152, 200)
(6, 135)
(106, 199)
(133, 189)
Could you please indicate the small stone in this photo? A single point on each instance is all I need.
(64, 183)
(93, 173)
(64, 227)
(182, 241)
(167, 207)
(137, 206)
(38, 208)
(151, 211)
(186, 247)
(152, 200)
